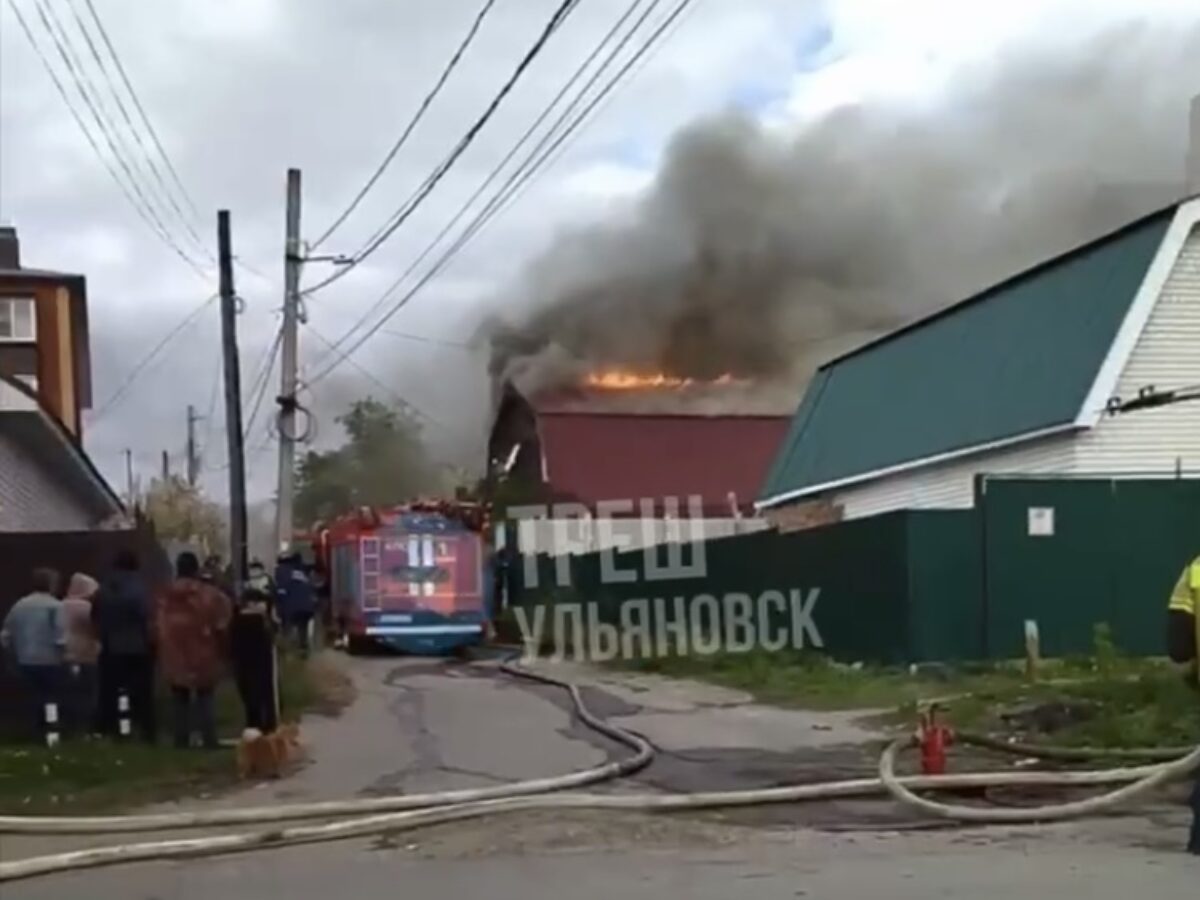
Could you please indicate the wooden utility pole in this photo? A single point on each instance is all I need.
(193, 462)
(233, 406)
(292, 260)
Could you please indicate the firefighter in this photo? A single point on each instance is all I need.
(1184, 645)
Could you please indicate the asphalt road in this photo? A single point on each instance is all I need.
(430, 725)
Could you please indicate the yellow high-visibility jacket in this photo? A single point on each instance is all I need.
(1186, 599)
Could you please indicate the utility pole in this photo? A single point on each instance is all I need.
(129, 492)
(292, 261)
(233, 405)
(193, 463)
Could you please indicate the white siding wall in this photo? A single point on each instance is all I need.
(951, 485)
(31, 500)
(1152, 441)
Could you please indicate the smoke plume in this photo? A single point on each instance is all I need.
(762, 253)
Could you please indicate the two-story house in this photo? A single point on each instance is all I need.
(47, 481)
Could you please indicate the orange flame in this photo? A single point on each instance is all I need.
(622, 380)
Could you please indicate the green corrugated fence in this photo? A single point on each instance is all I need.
(915, 585)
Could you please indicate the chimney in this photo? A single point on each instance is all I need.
(10, 248)
(1193, 163)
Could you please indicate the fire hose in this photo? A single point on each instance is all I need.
(394, 814)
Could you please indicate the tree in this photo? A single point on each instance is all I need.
(181, 513)
(382, 463)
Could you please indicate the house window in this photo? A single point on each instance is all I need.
(17, 320)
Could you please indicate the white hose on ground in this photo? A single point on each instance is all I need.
(1155, 777)
(328, 809)
(1143, 779)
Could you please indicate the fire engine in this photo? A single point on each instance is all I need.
(414, 577)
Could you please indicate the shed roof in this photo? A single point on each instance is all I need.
(608, 456)
(1018, 359)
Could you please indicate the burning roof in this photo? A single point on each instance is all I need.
(628, 437)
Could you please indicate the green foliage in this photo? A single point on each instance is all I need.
(181, 513)
(383, 462)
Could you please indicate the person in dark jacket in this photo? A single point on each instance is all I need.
(297, 600)
(122, 613)
(252, 648)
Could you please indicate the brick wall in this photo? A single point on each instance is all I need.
(31, 500)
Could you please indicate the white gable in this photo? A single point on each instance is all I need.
(1166, 356)
(1158, 347)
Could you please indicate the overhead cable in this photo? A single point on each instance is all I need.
(490, 210)
(145, 361)
(529, 132)
(565, 8)
(412, 123)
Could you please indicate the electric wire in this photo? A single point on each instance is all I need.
(426, 103)
(529, 132)
(103, 68)
(489, 211)
(124, 387)
(262, 382)
(395, 395)
(86, 130)
(187, 197)
(564, 10)
(91, 98)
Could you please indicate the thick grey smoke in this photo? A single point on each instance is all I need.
(762, 254)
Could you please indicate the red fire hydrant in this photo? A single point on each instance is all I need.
(933, 738)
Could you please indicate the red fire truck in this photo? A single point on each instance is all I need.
(414, 577)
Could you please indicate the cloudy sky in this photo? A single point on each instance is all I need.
(239, 90)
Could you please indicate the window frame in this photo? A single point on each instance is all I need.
(13, 303)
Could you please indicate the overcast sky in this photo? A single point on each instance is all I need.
(239, 90)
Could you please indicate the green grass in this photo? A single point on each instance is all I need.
(99, 775)
(1125, 702)
(812, 681)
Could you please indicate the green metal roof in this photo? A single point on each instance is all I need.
(1017, 358)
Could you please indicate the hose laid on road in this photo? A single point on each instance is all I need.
(397, 813)
(643, 753)
(388, 823)
(1156, 776)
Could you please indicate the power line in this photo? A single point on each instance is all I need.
(262, 381)
(142, 112)
(103, 68)
(565, 8)
(132, 191)
(125, 385)
(490, 211)
(529, 132)
(424, 339)
(555, 151)
(412, 123)
(378, 382)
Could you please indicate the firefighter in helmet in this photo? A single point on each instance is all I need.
(1184, 645)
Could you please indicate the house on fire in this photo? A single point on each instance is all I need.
(659, 472)
(1019, 380)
